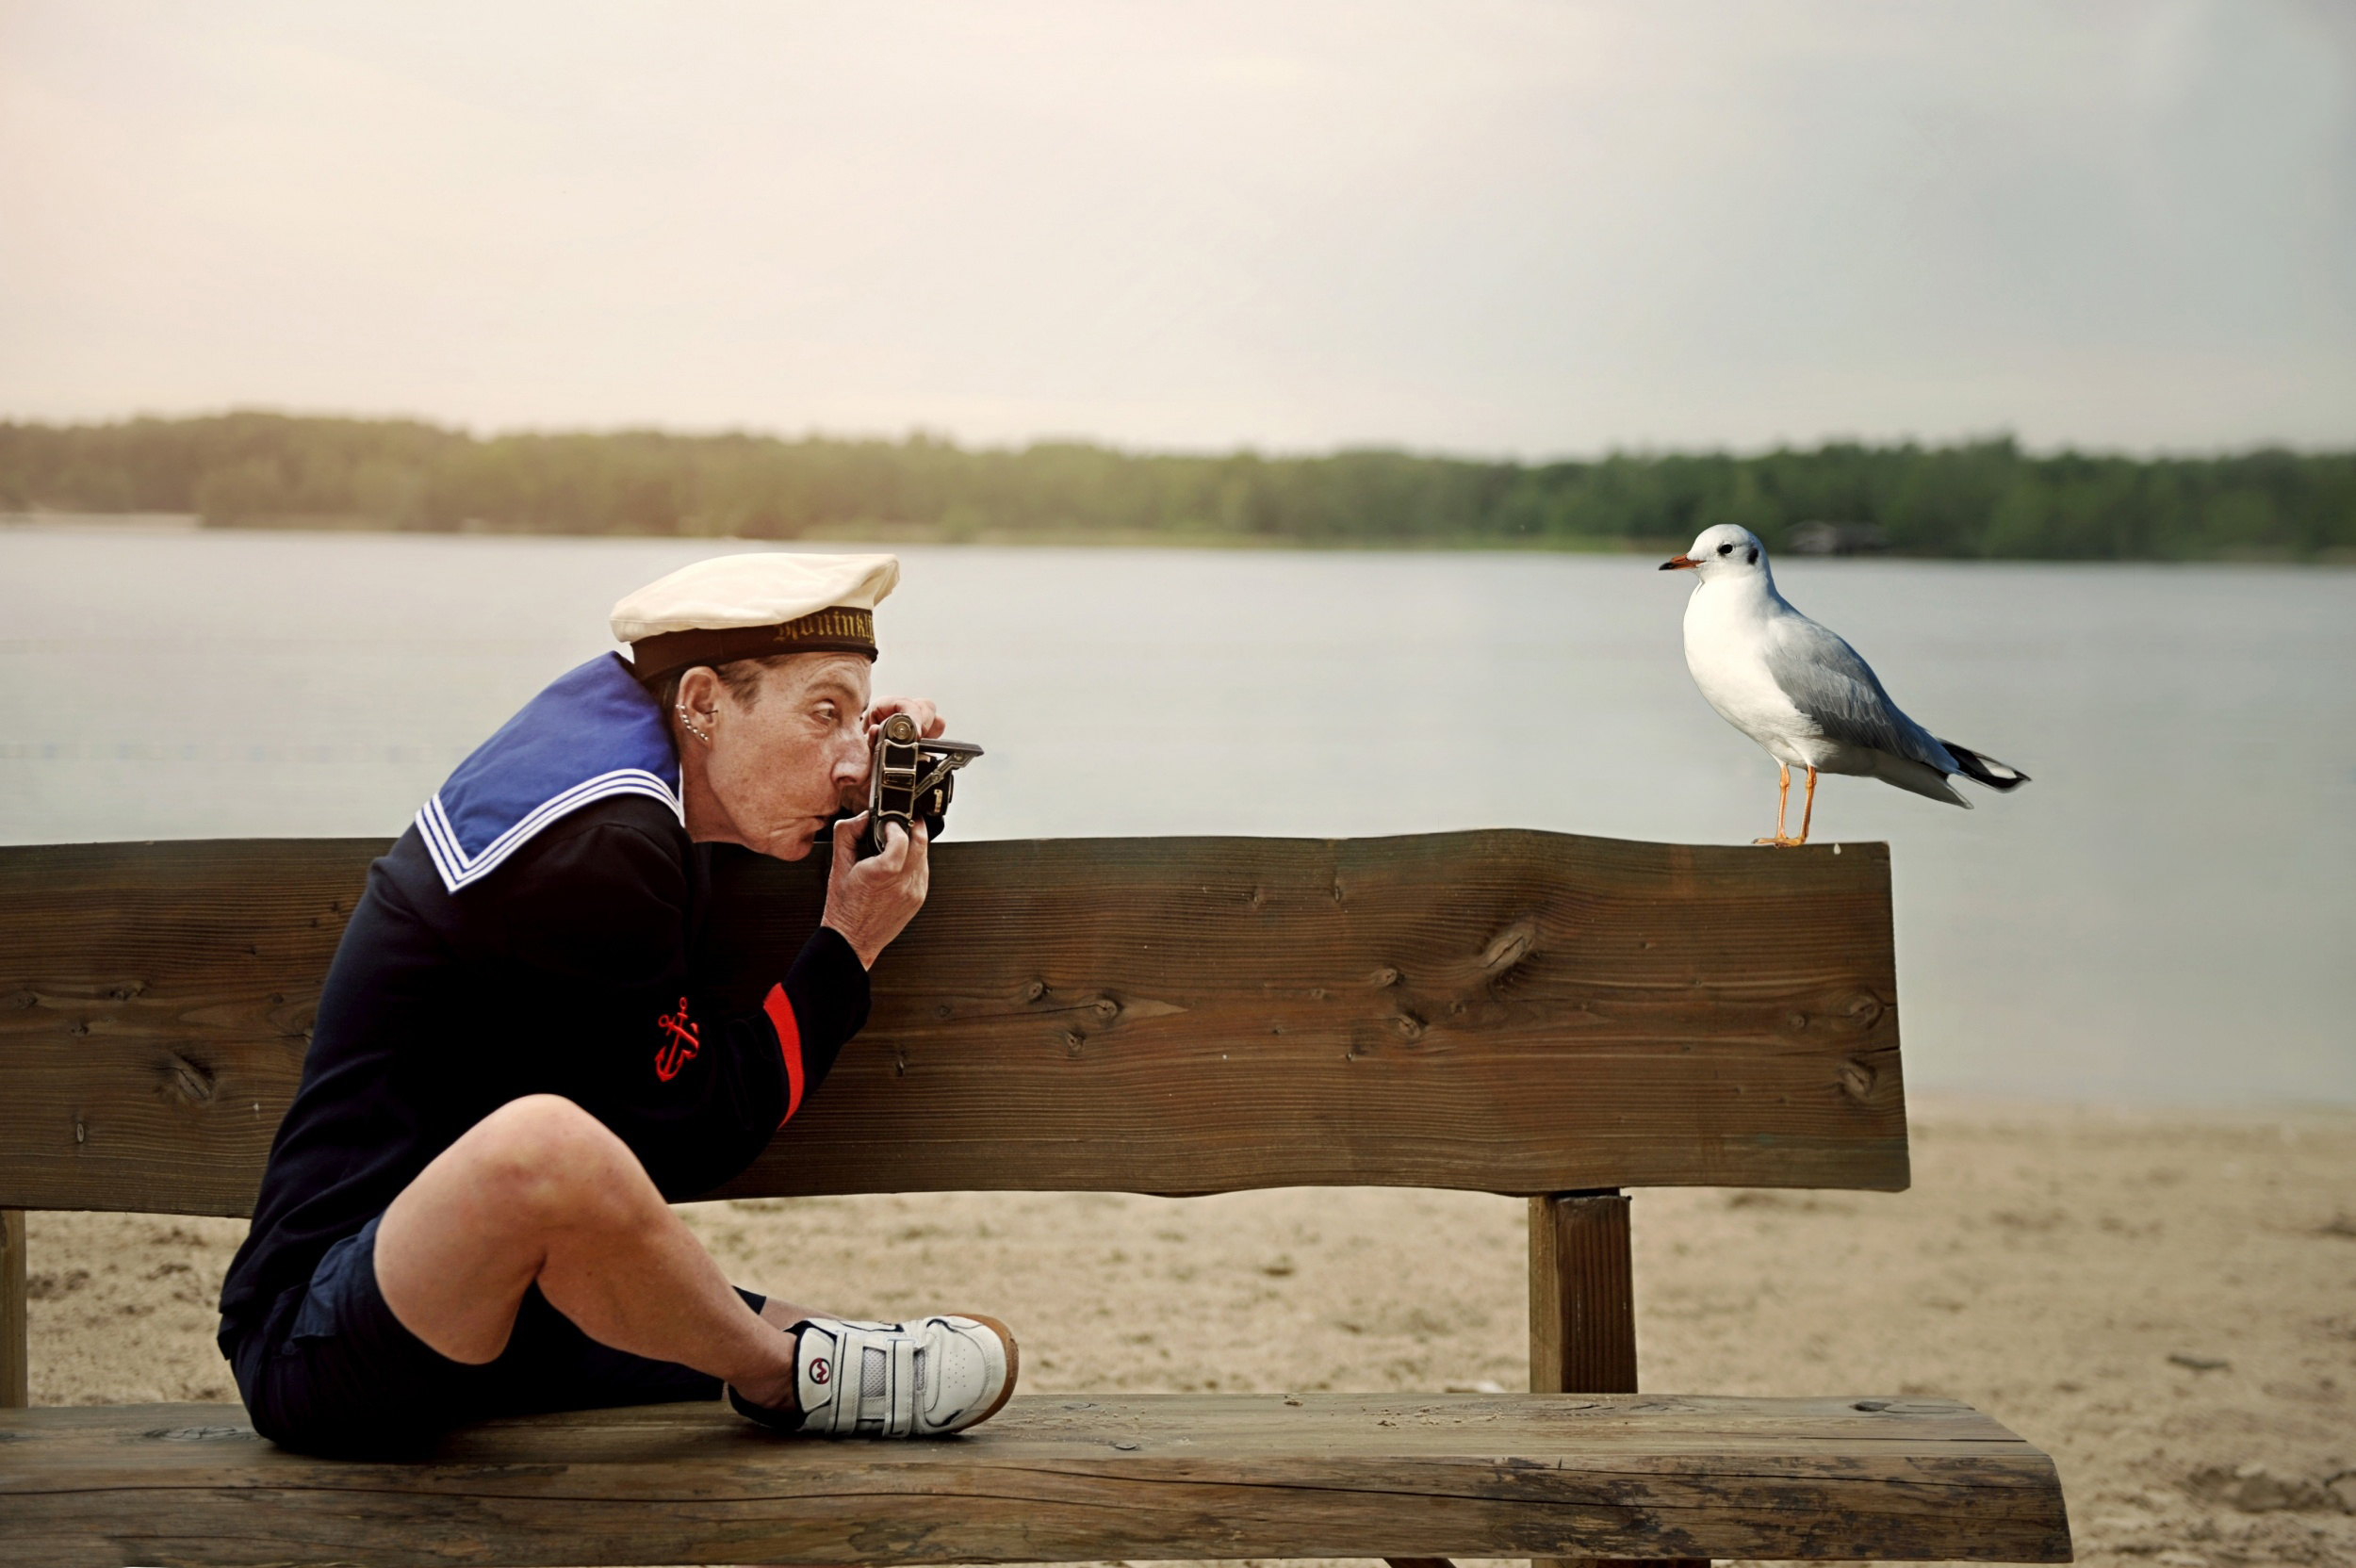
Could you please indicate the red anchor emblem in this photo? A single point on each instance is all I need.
(681, 1042)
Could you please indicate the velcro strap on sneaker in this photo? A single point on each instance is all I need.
(901, 1420)
(925, 1379)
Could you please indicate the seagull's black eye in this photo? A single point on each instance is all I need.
(1726, 550)
(1751, 556)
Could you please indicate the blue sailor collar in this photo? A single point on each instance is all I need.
(593, 733)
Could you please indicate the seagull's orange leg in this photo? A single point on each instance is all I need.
(1808, 812)
(1783, 802)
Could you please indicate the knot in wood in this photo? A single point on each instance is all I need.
(1105, 1009)
(1409, 1027)
(191, 1080)
(1036, 990)
(1508, 947)
(1864, 1009)
(1857, 1079)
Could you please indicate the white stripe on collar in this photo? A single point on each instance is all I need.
(594, 733)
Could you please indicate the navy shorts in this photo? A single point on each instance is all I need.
(331, 1370)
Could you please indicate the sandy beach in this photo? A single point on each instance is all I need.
(2164, 1301)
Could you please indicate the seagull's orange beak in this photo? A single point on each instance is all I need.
(1680, 563)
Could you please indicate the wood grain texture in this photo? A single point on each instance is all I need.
(1582, 1315)
(15, 1365)
(1057, 1478)
(1582, 1295)
(1508, 1011)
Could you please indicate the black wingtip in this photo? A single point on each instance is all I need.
(1985, 770)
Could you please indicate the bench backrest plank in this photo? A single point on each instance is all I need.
(1505, 1011)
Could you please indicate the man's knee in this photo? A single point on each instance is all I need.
(544, 1160)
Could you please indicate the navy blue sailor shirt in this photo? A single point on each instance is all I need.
(563, 962)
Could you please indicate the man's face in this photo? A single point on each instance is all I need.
(782, 765)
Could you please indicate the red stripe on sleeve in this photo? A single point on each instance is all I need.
(780, 1013)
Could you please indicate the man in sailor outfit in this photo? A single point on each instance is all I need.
(513, 1070)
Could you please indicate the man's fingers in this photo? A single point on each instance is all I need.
(846, 832)
(928, 717)
(896, 850)
(870, 902)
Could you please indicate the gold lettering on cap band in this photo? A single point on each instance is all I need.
(837, 622)
(836, 629)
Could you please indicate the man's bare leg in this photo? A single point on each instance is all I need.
(541, 1191)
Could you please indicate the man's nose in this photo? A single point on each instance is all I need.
(851, 763)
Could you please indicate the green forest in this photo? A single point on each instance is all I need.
(1984, 499)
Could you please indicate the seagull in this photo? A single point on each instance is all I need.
(1801, 692)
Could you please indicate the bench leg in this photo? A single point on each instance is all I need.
(1582, 1315)
(15, 1363)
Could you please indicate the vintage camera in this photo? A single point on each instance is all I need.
(909, 780)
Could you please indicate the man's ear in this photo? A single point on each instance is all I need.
(700, 693)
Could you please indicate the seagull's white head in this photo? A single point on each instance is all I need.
(1723, 552)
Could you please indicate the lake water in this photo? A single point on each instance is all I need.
(2167, 914)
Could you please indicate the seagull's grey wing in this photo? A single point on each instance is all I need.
(1827, 681)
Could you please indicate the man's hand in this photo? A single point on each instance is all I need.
(870, 902)
(928, 717)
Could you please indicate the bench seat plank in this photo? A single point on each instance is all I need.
(1056, 1479)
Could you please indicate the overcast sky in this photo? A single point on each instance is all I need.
(1488, 227)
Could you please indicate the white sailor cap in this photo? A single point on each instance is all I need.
(752, 606)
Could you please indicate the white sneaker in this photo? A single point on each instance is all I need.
(927, 1377)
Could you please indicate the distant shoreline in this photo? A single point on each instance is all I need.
(938, 536)
(852, 534)
(1984, 501)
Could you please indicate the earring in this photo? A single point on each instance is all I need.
(691, 725)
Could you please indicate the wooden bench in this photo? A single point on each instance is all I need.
(1513, 1012)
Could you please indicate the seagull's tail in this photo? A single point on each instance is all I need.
(1920, 777)
(1985, 770)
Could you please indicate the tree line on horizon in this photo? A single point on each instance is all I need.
(1983, 498)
